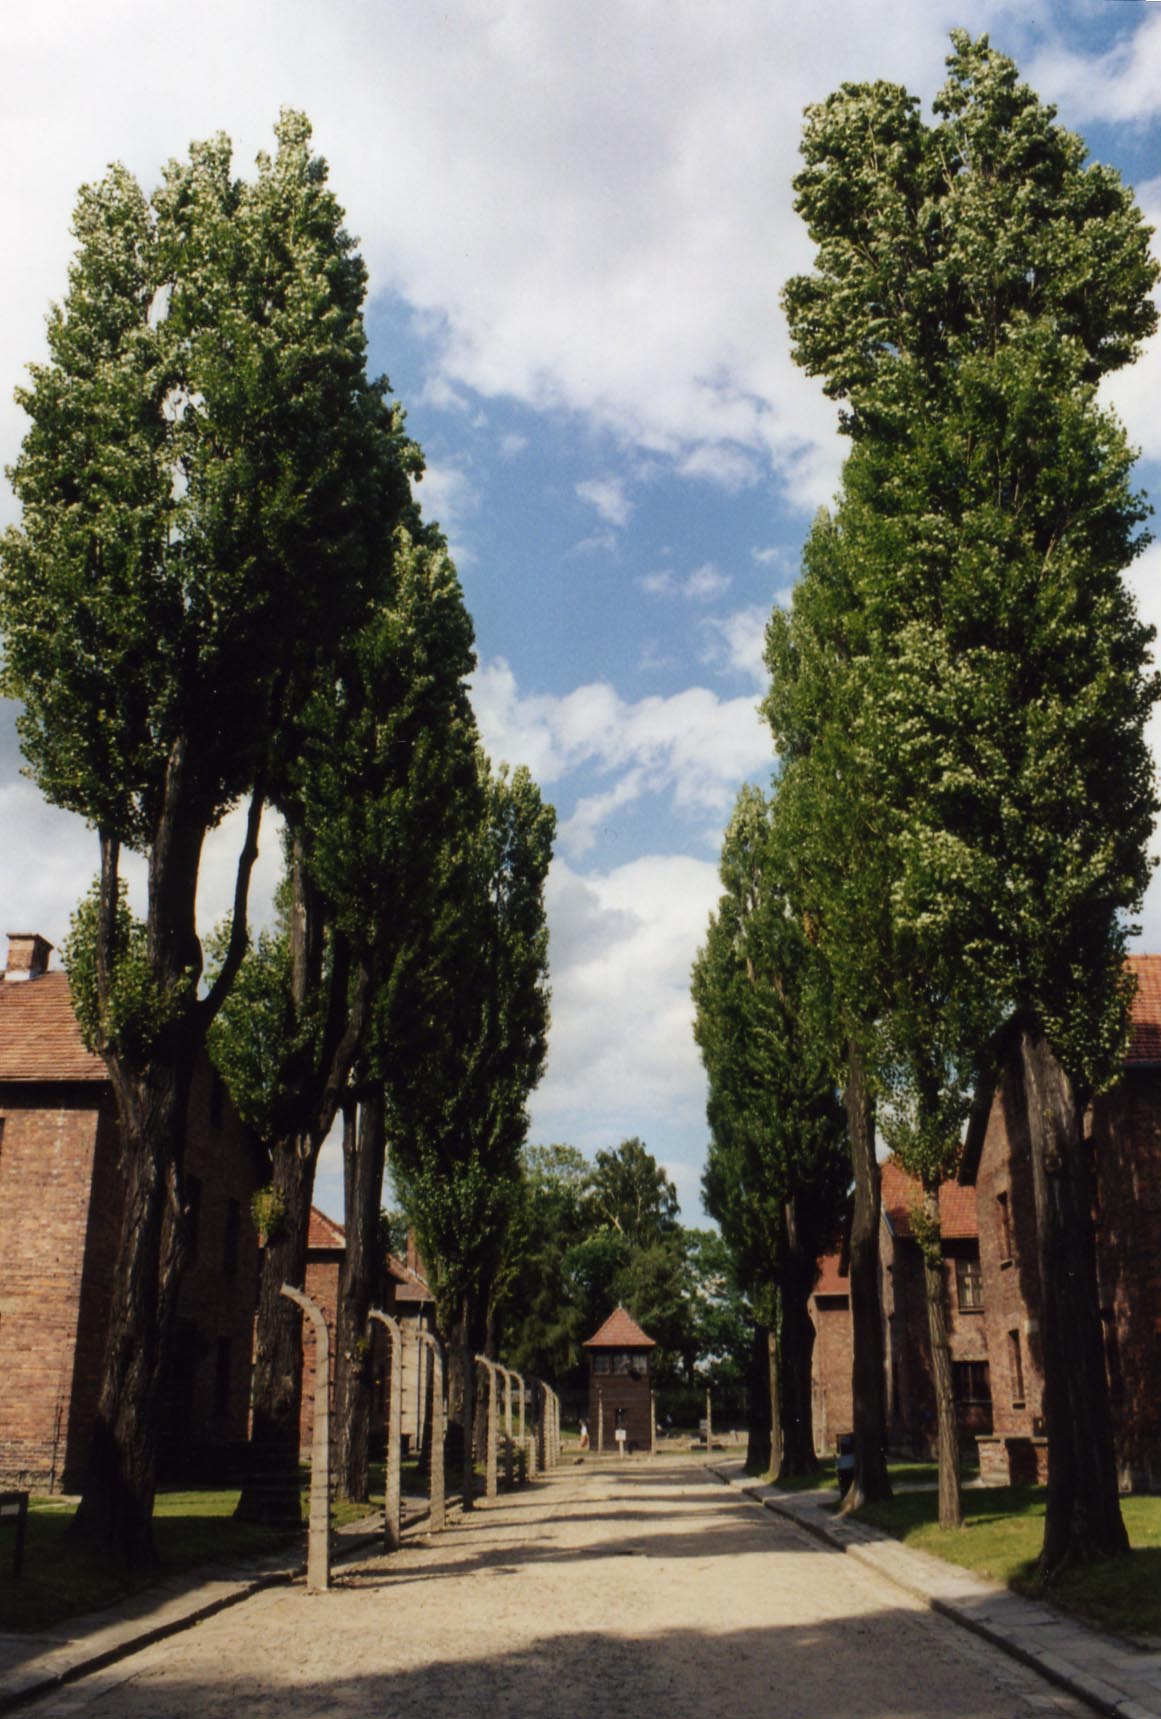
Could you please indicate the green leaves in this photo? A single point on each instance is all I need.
(207, 483)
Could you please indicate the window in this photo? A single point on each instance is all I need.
(1016, 1365)
(222, 1378)
(601, 1363)
(971, 1382)
(1005, 1228)
(230, 1240)
(969, 1286)
(193, 1213)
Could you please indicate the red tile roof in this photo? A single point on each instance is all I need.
(832, 1279)
(409, 1286)
(619, 1332)
(957, 1205)
(324, 1232)
(1145, 1031)
(39, 1035)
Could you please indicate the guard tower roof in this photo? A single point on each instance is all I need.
(620, 1331)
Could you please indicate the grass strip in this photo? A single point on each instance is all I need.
(1001, 1538)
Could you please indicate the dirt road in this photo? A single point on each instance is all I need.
(608, 1592)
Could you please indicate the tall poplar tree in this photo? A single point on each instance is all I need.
(974, 280)
(206, 484)
(473, 1009)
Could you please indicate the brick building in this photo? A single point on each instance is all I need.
(830, 1313)
(60, 1202)
(620, 1384)
(404, 1294)
(910, 1392)
(1124, 1128)
(910, 1384)
(993, 1286)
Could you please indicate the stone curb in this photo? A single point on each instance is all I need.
(64, 1664)
(909, 1570)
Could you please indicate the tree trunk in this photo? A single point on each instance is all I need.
(935, 1295)
(797, 1281)
(758, 1460)
(1083, 1516)
(364, 1155)
(116, 1508)
(868, 1395)
(467, 1407)
(151, 1094)
(271, 1493)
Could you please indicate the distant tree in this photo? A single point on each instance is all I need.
(632, 1194)
(543, 1324)
(206, 483)
(776, 1172)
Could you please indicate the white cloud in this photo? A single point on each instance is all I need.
(590, 215)
(1123, 84)
(447, 496)
(607, 495)
(621, 946)
(700, 586)
(692, 745)
(737, 642)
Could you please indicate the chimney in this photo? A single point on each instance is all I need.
(28, 955)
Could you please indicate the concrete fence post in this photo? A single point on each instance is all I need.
(509, 1450)
(437, 1485)
(491, 1486)
(521, 1445)
(318, 1545)
(393, 1489)
(709, 1425)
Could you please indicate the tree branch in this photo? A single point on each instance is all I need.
(239, 927)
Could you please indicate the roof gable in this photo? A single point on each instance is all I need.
(39, 1036)
(957, 1204)
(620, 1331)
(324, 1233)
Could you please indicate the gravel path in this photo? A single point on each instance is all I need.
(636, 1591)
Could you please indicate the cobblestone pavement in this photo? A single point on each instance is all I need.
(645, 1588)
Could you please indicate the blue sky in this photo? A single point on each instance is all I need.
(577, 219)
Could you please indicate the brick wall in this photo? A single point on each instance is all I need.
(1126, 1137)
(831, 1369)
(911, 1426)
(47, 1153)
(60, 1204)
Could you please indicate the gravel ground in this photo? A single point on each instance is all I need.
(641, 1589)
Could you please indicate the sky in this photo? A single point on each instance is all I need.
(577, 218)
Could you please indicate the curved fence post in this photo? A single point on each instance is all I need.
(509, 1449)
(436, 1485)
(521, 1444)
(393, 1489)
(491, 1436)
(318, 1545)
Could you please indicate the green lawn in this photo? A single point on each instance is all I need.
(190, 1528)
(902, 1474)
(1001, 1538)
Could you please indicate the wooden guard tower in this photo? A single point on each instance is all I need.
(620, 1384)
